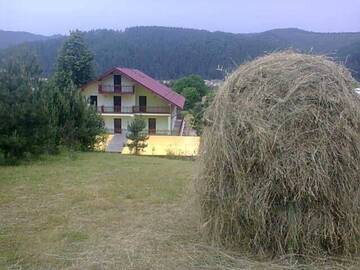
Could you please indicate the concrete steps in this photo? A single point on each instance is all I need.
(116, 144)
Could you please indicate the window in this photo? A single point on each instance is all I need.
(117, 79)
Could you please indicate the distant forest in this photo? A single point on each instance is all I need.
(170, 53)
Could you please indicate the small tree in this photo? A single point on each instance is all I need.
(137, 136)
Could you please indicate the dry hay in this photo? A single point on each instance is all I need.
(280, 158)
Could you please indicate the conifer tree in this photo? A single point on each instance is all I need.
(75, 60)
(137, 136)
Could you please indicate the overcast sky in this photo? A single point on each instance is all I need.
(58, 17)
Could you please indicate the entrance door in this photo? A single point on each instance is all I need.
(117, 125)
(152, 125)
(117, 104)
(142, 103)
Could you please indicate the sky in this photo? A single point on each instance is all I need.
(50, 17)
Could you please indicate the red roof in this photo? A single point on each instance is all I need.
(149, 83)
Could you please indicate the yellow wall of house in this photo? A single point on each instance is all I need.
(170, 145)
(151, 99)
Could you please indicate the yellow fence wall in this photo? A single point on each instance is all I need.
(170, 145)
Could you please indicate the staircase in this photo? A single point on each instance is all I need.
(116, 144)
(177, 126)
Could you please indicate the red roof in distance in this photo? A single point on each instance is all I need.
(153, 85)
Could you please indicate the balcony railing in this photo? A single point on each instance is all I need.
(151, 109)
(133, 109)
(122, 89)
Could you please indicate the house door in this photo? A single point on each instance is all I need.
(117, 125)
(152, 125)
(142, 103)
(117, 83)
(117, 104)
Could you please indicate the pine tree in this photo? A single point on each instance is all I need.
(136, 135)
(78, 124)
(75, 60)
(24, 123)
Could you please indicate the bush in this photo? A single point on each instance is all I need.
(280, 158)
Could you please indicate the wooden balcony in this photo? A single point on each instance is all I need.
(134, 109)
(116, 89)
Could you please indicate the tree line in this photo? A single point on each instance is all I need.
(42, 116)
(170, 53)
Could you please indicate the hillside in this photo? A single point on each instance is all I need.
(169, 53)
(10, 38)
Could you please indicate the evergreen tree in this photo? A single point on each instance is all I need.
(78, 125)
(137, 136)
(24, 123)
(75, 60)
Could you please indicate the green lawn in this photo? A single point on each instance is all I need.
(106, 211)
(98, 210)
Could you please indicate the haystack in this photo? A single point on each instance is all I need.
(280, 158)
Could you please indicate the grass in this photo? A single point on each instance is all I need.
(106, 211)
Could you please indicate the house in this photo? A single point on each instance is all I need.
(121, 94)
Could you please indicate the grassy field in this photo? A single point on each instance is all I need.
(106, 211)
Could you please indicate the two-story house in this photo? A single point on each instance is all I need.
(121, 94)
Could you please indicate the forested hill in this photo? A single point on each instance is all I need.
(169, 53)
(10, 38)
